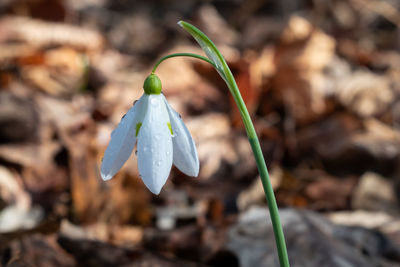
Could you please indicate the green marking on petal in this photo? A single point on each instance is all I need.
(138, 125)
(170, 128)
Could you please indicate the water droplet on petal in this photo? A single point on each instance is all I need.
(168, 153)
(145, 148)
(158, 162)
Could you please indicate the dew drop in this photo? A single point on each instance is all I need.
(168, 153)
(145, 148)
(157, 137)
(152, 150)
(158, 162)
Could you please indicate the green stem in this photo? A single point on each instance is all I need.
(182, 55)
(255, 145)
(262, 169)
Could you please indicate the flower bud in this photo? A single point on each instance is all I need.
(152, 85)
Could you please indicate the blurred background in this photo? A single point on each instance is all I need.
(321, 80)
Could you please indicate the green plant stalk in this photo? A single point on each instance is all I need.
(219, 63)
(262, 169)
(182, 55)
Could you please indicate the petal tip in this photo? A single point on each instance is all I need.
(155, 189)
(194, 172)
(105, 176)
(156, 192)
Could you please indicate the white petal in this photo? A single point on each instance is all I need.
(123, 139)
(155, 145)
(185, 153)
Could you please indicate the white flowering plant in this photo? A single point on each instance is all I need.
(163, 139)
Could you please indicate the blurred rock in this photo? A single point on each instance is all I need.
(311, 240)
(375, 193)
(18, 118)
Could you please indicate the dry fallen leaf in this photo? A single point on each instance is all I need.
(300, 57)
(41, 34)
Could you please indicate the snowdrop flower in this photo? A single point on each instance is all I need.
(162, 139)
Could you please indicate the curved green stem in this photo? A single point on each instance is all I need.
(182, 55)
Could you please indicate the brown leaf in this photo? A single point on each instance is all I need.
(39, 250)
(330, 193)
(300, 58)
(42, 34)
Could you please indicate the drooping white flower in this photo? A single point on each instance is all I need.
(162, 139)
